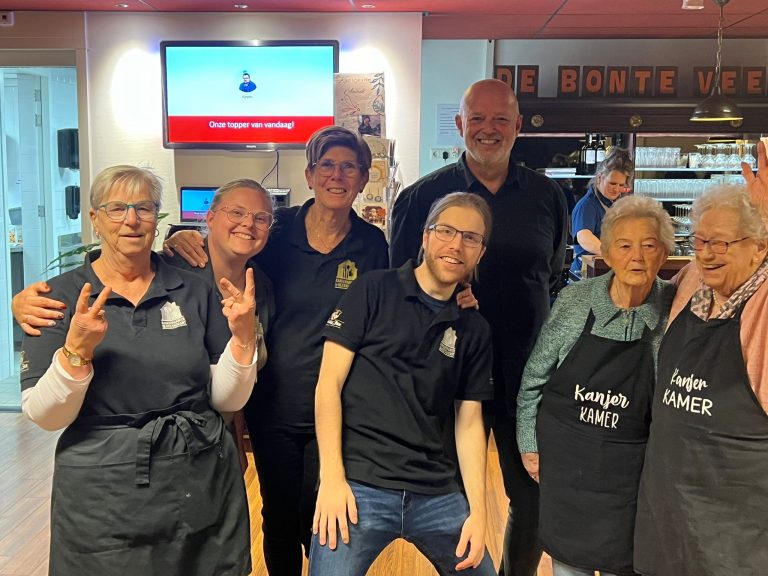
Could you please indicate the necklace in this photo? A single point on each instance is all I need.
(326, 247)
(716, 300)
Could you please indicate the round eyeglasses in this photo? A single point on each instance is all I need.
(328, 168)
(261, 220)
(117, 211)
(446, 233)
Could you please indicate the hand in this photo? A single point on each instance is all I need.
(465, 298)
(189, 244)
(335, 501)
(32, 310)
(531, 463)
(757, 184)
(89, 324)
(240, 308)
(472, 534)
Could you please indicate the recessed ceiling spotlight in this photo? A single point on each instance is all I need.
(122, 6)
(241, 6)
(368, 6)
(693, 5)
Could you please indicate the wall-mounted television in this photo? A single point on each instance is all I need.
(246, 95)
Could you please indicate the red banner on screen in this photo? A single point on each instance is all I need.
(244, 129)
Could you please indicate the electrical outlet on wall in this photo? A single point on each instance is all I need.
(445, 153)
(6, 18)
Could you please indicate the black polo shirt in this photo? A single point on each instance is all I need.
(153, 356)
(524, 259)
(410, 365)
(308, 285)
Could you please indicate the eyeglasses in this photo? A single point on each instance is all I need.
(328, 168)
(446, 233)
(717, 246)
(117, 211)
(261, 220)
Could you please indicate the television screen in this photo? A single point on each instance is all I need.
(194, 202)
(246, 95)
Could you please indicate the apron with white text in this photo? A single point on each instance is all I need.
(703, 502)
(592, 430)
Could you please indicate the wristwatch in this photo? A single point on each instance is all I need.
(74, 358)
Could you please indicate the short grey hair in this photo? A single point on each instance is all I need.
(221, 192)
(637, 207)
(735, 198)
(135, 180)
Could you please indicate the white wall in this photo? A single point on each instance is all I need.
(448, 68)
(125, 114)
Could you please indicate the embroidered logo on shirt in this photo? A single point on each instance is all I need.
(346, 273)
(334, 321)
(171, 316)
(448, 344)
(23, 362)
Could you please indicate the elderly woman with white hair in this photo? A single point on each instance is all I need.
(703, 501)
(585, 401)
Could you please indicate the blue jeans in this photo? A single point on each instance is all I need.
(431, 522)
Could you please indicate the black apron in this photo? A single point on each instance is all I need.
(158, 493)
(703, 502)
(592, 429)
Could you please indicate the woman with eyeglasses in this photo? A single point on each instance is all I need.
(146, 479)
(314, 254)
(584, 406)
(611, 182)
(703, 503)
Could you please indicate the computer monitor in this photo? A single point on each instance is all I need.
(194, 202)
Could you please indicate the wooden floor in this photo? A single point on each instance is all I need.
(26, 454)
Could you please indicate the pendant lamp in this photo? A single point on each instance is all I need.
(716, 107)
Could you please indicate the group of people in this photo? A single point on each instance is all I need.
(378, 387)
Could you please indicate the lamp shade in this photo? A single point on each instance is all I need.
(716, 108)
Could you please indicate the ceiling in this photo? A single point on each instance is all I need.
(445, 19)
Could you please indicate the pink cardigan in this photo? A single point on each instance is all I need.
(754, 327)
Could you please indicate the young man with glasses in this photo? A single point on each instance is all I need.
(523, 266)
(399, 356)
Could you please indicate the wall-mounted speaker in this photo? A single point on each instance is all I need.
(72, 201)
(69, 148)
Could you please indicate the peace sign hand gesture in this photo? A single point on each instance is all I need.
(757, 183)
(89, 324)
(239, 308)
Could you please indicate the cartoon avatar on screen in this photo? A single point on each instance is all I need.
(247, 85)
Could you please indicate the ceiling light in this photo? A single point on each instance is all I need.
(121, 6)
(693, 5)
(241, 6)
(368, 6)
(716, 107)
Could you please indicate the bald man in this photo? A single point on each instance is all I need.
(523, 263)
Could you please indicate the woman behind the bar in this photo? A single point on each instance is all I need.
(609, 184)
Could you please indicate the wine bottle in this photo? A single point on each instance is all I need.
(600, 154)
(591, 156)
(581, 167)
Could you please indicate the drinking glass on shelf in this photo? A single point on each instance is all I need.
(733, 161)
(748, 157)
(707, 160)
(721, 158)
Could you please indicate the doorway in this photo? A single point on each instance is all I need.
(36, 103)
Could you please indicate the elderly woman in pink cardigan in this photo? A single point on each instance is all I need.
(703, 502)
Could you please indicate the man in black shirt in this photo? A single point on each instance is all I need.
(399, 357)
(522, 265)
